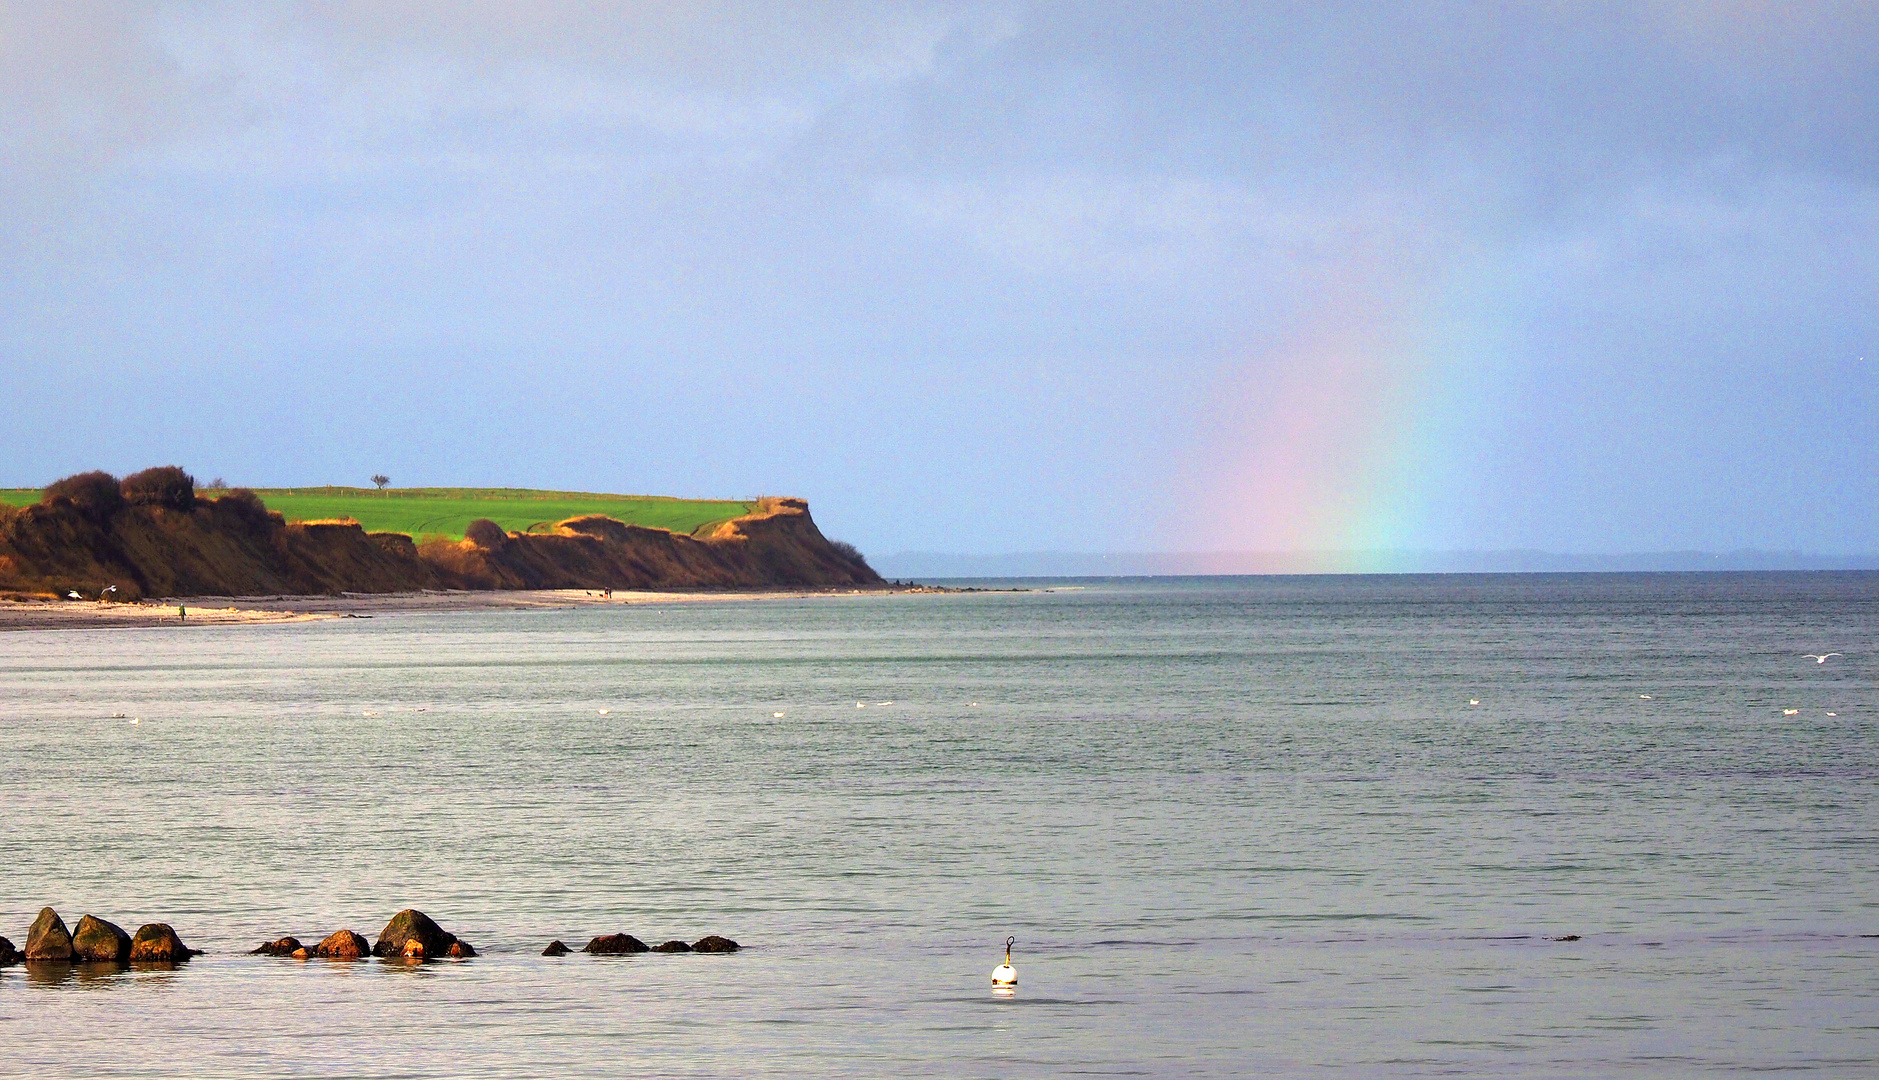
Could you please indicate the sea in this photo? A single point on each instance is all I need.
(1385, 826)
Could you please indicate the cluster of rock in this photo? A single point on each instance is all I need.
(411, 935)
(626, 944)
(95, 940)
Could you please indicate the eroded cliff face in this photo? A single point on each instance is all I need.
(231, 546)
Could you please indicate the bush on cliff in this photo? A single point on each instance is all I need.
(165, 485)
(485, 533)
(246, 507)
(96, 494)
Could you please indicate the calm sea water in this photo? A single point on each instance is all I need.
(1238, 826)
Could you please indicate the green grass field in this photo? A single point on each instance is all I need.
(420, 512)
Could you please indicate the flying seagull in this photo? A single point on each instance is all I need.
(1818, 658)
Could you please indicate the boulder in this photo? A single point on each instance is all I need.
(301, 953)
(157, 943)
(714, 943)
(556, 948)
(672, 946)
(343, 945)
(286, 946)
(413, 950)
(413, 925)
(615, 945)
(95, 939)
(460, 950)
(10, 955)
(48, 939)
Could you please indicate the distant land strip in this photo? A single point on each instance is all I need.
(928, 565)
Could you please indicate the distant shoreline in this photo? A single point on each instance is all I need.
(269, 610)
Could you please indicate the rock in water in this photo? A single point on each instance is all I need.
(286, 946)
(97, 939)
(413, 925)
(343, 945)
(460, 950)
(714, 943)
(556, 948)
(413, 950)
(157, 943)
(8, 954)
(615, 945)
(48, 939)
(672, 946)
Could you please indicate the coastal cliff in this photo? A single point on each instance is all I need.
(83, 538)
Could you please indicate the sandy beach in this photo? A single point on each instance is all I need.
(257, 610)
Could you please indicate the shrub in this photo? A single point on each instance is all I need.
(95, 493)
(165, 485)
(485, 533)
(848, 551)
(245, 505)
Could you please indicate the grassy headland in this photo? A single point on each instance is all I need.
(446, 512)
(152, 534)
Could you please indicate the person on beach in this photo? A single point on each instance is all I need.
(182, 613)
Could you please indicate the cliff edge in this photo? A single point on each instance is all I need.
(158, 539)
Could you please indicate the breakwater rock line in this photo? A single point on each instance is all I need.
(84, 541)
(410, 935)
(95, 941)
(628, 945)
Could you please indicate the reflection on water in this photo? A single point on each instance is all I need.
(91, 974)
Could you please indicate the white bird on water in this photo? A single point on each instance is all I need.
(1818, 658)
(1004, 976)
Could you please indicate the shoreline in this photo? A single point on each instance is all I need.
(51, 614)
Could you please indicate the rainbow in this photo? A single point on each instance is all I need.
(1336, 450)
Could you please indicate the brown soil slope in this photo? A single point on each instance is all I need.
(232, 546)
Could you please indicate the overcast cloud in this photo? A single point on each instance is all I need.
(970, 277)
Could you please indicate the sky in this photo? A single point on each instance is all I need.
(971, 277)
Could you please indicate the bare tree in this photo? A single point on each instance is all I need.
(381, 480)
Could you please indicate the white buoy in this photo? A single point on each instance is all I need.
(1004, 976)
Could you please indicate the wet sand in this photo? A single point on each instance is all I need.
(251, 610)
